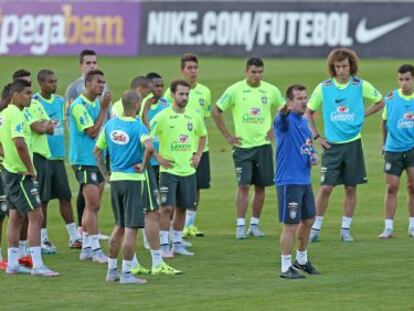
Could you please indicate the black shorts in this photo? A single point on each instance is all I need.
(296, 203)
(86, 174)
(22, 192)
(178, 191)
(59, 181)
(254, 166)
(343, 164)
(203, 172)
(3, 201)
(156, 169)
(397, 162)
(41, 165)
(128, 201)
(153, 202)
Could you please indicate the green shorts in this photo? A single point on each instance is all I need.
(59, 181)
(203, 172)
(22, 192)
(254, 166)
(3, 201)
(343, 164)
(178, 191)
(153, 201)
(397, 162)
(88, 174)
(41, 165)
(129, 199)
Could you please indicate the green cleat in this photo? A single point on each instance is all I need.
(192, 231)
(165, 269)
(140, 270)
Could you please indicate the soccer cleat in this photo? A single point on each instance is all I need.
(179, 249)
(102, 236)
(86, 254)
(192, 231)
(314, 235)
(128, 278)
(186, 243)
(3, 265)
(165, 269)
(346, 235)
(99, 256)
(47, 248)
(255, 231)
(386, 234)
(26, 261)
(18, 270)
(292, 274)
(166, 251)
(411, 232)
(44, 271)
(77, 244)
(307, 267)
(139, 269)
(240, 233)
(112, 275)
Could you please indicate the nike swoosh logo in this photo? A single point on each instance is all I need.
(339, 100)
(364, 35)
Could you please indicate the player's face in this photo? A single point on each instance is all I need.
(342, 70)
(181, 96)
(406, 82)
(254, 75)
(49, 86)
(190, 71)
(89, 63)
(299, 101)
(97, 85)
(143, 91)
(157, 86)
(24, 98)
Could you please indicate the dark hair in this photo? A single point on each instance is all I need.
(153, 75)
(5, 93)
(188, 57)
(86, 53)
(254, 61)
(42, 75)
(339, 55)
(292, 88)
(91, 74)
(175, 83)
(20, 74)
(406, 68)
(18, 86)
(140, 81)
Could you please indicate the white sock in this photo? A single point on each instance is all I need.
(190, 218)
(346, 222)
(318, 223)
(389, 224)
(177, 237)
(164, 237)
(13, 257)
(135, 261)
(94, 242)
(156, 258)
(36, 254)
(286, 262)
(86, 242)
(1, 257)
(302, 256)
(22, 248)
(112, 263)
(240, 222)
(43, 235)
(254, 221)
(73, 232)
(411, 221)
(126, 266)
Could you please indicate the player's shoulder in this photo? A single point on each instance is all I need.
(59, 98)
(391, 95)
(203, 88)
(163, 113)
(357, 81)
(269, 86)
(327, 82)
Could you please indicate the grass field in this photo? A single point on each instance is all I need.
(226, 274)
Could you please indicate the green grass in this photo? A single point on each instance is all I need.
(227, 274)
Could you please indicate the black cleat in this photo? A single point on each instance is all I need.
(291, 274)
(307, 267)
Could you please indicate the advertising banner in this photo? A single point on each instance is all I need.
(65, 28)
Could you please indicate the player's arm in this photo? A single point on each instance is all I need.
(372, 96)
(24, 155)
(384, 128)
(101, 145)
(1, 150)
(156, 129)
(140, 167)
(201, 132)
(94, 130)
(42, 127)
(147, 107)
(277, 102)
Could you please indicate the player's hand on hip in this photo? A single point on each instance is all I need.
(233, 140)
(106, 100)
(314, 159)
(165, 163)
(139, 168)
(323, 142)
(31, 175)
(269, 135)
(195, 160)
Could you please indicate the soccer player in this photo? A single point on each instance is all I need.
(88, 61)
(294, 156)
(200, 101)
(342, 98)
(47, 111)
(398, 139)
(19, 178)
(87, 115)
(22, 74)
(180, 131)
(251, 101)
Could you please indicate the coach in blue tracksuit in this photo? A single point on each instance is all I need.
(294, 156)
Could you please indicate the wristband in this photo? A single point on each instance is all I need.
(316, 136)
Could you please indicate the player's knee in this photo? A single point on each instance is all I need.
(350, 191)
(325, 190)
(410, 188)
(392, 189)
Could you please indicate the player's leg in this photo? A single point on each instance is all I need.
(168, 188)
(3, 213)
(13, 237)
(410, 189)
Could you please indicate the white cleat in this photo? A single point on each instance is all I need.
(44, 271)
(112, 275)
(86, 254)
(411, 232)
(255, 231)
(102, 236)
(240, 233)
(18, 270)
(128, 278)
(346, 235)
(386, 234)
(186, 243)
(314, 235)
(99, 257)
(179, 249)
(166, 251)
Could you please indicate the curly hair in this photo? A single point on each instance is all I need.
(339, 55)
